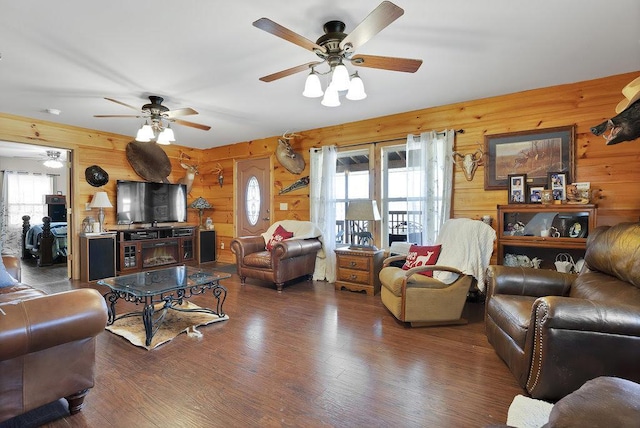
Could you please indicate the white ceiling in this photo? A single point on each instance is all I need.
(68, 55)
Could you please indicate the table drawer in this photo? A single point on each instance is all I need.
(351, 275)
(358, 263)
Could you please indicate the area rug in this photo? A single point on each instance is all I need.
(175, 322)
(526, 412)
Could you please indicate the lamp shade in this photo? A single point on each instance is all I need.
(340, 78)
(312, 86)
(145, 133)
(200, 204)
(100, 200)
(331, 98)
(362, 210)
(356, 89)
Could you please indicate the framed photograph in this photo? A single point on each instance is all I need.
(535, 194)
(558, 185)
(534, 153)
(517, 188)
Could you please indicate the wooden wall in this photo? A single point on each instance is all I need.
(613, 170)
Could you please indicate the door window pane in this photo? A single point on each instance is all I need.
(252, 200)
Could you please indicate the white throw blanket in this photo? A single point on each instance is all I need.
(467, 245)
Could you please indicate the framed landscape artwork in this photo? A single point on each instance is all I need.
(534, 153)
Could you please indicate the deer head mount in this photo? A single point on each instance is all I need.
(219, 172)
(287, 157)
(190, 174)
(469, 162)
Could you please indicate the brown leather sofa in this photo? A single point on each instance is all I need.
(287, 260)
(47, 345)
(556, 331)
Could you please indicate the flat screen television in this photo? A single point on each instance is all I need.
(143, 202)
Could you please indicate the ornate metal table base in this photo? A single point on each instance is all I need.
(158, 301)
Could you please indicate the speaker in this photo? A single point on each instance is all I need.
(98, 257)
(206, 246)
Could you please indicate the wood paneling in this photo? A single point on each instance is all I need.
(610, 169)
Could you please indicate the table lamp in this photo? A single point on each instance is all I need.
(362, 210)
(200, 204)
(100, 200)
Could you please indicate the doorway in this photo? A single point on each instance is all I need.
(253, 196)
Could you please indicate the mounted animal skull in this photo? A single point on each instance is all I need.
(469, 162)
(287, 157)
(219, 172)
(190, 174)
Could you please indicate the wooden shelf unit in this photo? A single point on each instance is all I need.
(152, 248)
(530, 242)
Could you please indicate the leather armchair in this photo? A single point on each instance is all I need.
(555, 331)
(287, 259)
(47, 345)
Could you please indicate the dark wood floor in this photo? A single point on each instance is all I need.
(309, 356)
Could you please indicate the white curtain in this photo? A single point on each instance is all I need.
(430, 181)
(323, 208)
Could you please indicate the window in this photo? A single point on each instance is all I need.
(399, 224)
(25, 195)
(352, 182)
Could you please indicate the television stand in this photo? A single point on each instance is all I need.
(153, 247)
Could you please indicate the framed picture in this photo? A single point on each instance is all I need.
(535, 194)
(517, 188)
(534, 153)
(558, 185)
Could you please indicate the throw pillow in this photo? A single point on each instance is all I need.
(280, 234)
(6, 280)
(419, 255)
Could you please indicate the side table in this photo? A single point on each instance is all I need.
(358, 270)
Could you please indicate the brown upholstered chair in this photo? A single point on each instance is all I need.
(287, 260)
(425, 301)
(556, 331)
(47, 345)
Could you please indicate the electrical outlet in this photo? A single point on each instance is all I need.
(222, 245)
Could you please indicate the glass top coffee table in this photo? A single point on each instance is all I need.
(161, 290)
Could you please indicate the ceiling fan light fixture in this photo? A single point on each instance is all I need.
(312, 86)
(54, 160)
(166, 137)
(340, 78)
(331, 98)
(356, 89)
(145, 133)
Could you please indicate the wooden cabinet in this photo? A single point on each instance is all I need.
(530, 231)
(150, 248)
(358, 270)
(97, 257)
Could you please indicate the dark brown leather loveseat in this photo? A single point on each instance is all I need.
(556, 331)
(47, 345)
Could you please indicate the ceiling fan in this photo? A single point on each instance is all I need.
(156, 113)
(335, 46)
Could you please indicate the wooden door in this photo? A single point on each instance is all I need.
(253, 197)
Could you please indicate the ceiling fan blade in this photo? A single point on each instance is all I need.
(284, 33)
(191, 124)
(122, 104)
(187, 111)
(289, 71)
(117, 115)
(387, 63)
(376, 21)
